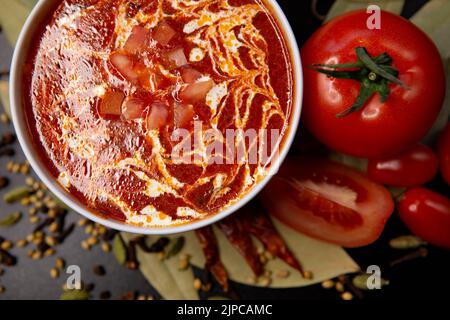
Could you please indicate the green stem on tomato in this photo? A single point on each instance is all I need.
(374, 75)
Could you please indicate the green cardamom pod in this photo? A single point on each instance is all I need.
(360, 281)
(16, 194)
(74, 295)
(406, 242)
(10, 219)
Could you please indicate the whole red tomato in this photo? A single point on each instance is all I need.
(414, 167)
(378, 128)
(427, 214)
(444, 153)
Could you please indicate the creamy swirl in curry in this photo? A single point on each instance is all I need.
(110, 81)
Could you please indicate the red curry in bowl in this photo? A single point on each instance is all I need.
(117, 89)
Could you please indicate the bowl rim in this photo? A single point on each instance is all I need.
(22, 132)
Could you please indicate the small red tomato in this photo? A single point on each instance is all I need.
(414, 167)
(427, 214)
(328, 201)
(444, 153)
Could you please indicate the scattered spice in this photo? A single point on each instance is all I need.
(49, 252)
(347, 296)
(419, 253)
(106, 247)
(9, 152)
(105, 295)
(197, 284)
(328, 284)
(355, 291)
(34, 220)
(265, 281)
(4, 182)
(21, 243)
(6, 245)
(60, 263)
(283, 274)
(4, 118)
(88, 287)
(184, 262)
(6, 258)
(99, 270)
(54, 273)
(6, 139)
(339, 287)
(11, 219)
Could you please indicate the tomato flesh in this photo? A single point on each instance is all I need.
(328, 201)
(444, 153)
(415, 167)
(427, 214)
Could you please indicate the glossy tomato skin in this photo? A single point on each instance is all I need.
(427, 214)
(444, 153)
(328, 201)
(414, 167)
(378, 129)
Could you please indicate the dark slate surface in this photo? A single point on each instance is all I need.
(425, 278)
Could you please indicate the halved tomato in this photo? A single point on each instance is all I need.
(328, 201)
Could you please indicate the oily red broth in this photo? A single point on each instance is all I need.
(109, 82)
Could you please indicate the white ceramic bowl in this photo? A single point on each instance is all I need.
(43, 10)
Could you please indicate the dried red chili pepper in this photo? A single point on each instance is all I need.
(208, 241)
(240, 239)
(256, 221)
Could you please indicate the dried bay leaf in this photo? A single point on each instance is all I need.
(185, 278)
(119, 249)
(341, 6)
(157, 273)
(12, 17)
(175, 247)
(323, 259)
(434, 20)
(29, 3)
